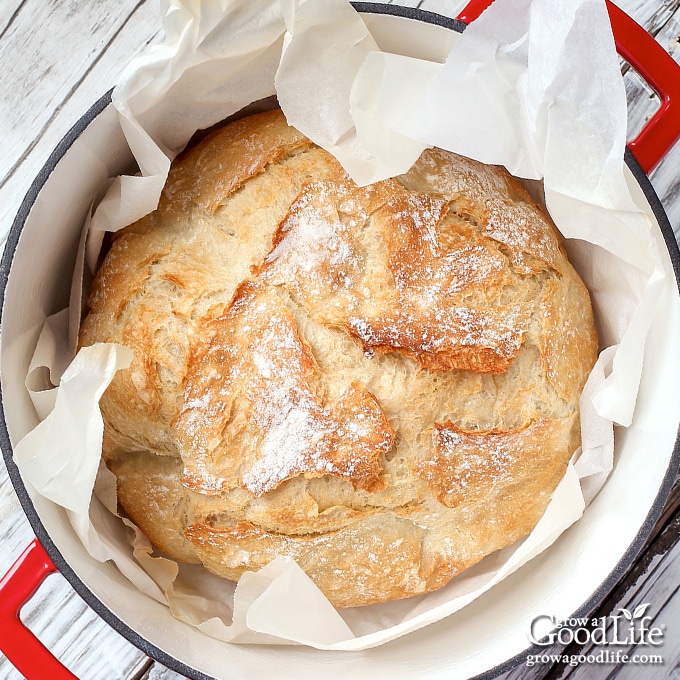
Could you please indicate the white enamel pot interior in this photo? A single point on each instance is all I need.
(486, 637)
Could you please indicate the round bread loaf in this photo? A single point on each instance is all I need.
(380, 382)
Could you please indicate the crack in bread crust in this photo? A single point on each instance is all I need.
(381, 382)
(253, 385)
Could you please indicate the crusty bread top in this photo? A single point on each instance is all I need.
(380, 382)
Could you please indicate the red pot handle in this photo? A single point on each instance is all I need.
(24, 651)
(654, 64)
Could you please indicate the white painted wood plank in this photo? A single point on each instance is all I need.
(669, 36)
(56, 614)
(107, 42)
(666, 182)
(75, 636)
(642, 102)
(669, 615)
(15, 535)
(8, 10)
(406, 3)
(158, 672)
(39, 78)
(652, 14)
(666, 178)
(102, 75)
(658, 586)
(15, 532)
(448, 8)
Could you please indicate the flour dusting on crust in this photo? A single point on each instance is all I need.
(379, 382)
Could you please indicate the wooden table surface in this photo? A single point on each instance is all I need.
(56, 58)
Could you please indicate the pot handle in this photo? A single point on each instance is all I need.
(654, 64)
(24, 651)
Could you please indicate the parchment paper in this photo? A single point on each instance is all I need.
(533, 85)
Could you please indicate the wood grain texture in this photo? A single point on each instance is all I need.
(46, 88)
(9, 10)
(35, 124)
(655, 579)
(76, 630)
(117, 658)
(652, 14)
(56, 58)
(666, 179)
(39, 83)
(158, 672)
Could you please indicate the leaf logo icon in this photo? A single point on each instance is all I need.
(640, 610)
(626, 613)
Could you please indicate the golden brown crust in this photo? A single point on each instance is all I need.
(210, 172)
(380, 382)
(381, 561)
(149, 488)
(487, 465)
(255, 407)
(436, 296)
